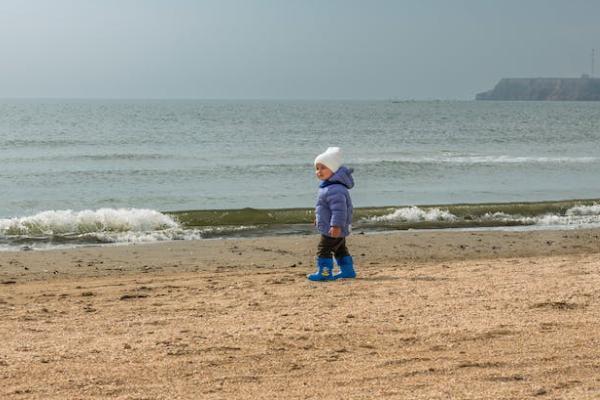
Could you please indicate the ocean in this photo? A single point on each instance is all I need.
(125, 171)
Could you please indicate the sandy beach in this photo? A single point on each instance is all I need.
(432, 315)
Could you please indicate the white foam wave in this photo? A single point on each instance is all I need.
(584, 210)
(415, 214)
(578, 215)
(67, 228)
(165, 235)
(515, 160)
(104, 220)
(575, 216)
(482, 159)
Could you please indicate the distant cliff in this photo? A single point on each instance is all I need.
(565, 89)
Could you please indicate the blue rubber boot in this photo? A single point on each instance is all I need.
(324, 270)
(346, 268)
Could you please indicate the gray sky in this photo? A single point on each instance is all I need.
(289, 49)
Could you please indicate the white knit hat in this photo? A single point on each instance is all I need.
(331, 158)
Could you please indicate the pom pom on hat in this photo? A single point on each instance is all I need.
(331, 158)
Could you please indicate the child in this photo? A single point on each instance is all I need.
(333, 216)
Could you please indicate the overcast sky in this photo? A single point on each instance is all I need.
(289, 49)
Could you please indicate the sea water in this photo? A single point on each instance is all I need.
(62, 161)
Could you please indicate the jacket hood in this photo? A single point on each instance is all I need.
(343, 175)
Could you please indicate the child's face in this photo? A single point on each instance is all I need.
(322, 172)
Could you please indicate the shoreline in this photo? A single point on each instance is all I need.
(195, 255)
(67, 228)
(432, 314)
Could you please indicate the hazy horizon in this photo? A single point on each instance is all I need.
(293, 50)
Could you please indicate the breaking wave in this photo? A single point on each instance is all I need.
(67, 228)
(105, 220)
(416, 214)
(580, 215)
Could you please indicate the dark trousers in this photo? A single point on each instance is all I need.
(330, 245)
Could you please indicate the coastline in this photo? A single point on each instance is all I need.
(279, 251)
(433, 314)
(68, 228)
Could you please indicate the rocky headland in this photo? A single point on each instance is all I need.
(540, 89)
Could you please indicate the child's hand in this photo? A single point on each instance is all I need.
(335, 231)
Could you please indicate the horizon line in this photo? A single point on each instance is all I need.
(236, 98)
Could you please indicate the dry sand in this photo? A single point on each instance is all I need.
(432, 315)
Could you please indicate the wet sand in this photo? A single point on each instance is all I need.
(432, 315)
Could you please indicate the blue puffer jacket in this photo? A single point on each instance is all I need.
(334, 206)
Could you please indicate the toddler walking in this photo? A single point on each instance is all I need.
(333, 214)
